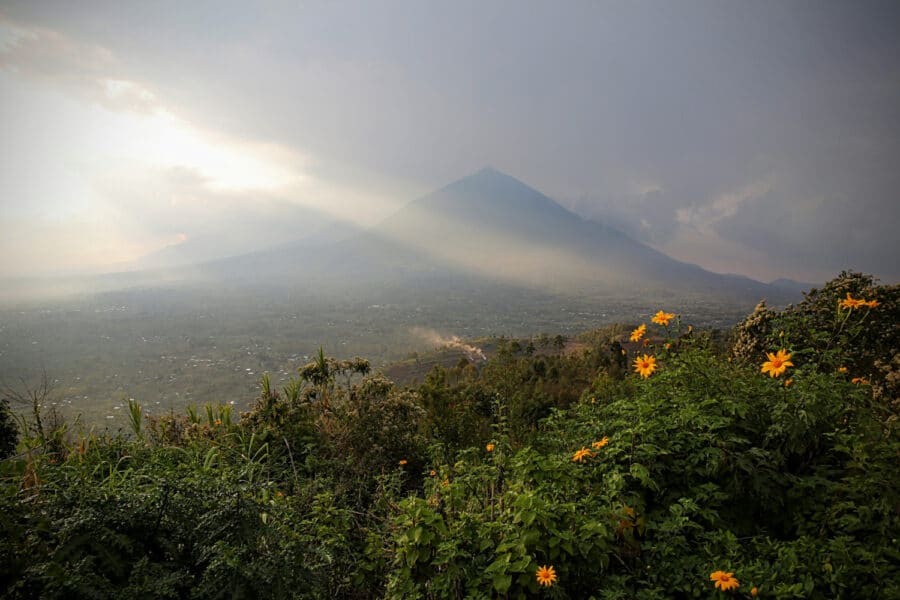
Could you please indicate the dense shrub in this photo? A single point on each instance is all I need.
(776, 484)
(830, 334)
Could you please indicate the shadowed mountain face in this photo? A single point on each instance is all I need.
(494, 229)
(484, 233)
(494, 225)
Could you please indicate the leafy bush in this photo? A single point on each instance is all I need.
(693, 475)
(831, 334)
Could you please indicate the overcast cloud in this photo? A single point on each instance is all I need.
(761, 138)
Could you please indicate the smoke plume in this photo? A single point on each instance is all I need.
(473, 353)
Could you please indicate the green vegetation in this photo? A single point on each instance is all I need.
(705, 477)
(173, 347)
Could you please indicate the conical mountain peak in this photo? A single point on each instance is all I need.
(491, 193)
(493, 227)
(489, 176)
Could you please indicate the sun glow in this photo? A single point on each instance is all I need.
(156, 137)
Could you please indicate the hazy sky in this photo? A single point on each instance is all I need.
(760, 138)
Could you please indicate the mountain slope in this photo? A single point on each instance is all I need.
(494, 225)
(488, 229)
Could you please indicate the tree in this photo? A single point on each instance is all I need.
(320, 373)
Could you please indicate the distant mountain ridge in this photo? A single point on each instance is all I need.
(491, 227)
(794, 285)
(493, 223)
(487, 235)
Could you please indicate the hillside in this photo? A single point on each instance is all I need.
(485, 230)
(648, 463)
(494, 225)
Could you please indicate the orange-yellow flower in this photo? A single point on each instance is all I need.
(402, 461)
(638, 333)
(432, 472)
(580, 455)
(546, 575)
(754, 592)
(788, 382)
(860, 381)
(645, 365)
(777, 363)
(851, 302)
(599, 444)
(724, 581)
(873, 303)
(842, 369)
(662, 318)
(489, 447)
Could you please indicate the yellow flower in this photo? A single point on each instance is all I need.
(873, 303)
(842, 369)
(546, 575)
(645, 365)
(851, 302)
(724, 581)
(638, 333)
(445, 483)
(788, 382)
(402, 461)
(432, 472)
(218, 422)
(860, 381)
(601, 443)
(581, 455)
(777, 363)
(662, 318)
(754, 592)
(489, 447)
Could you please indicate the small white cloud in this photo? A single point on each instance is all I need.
(645, 188)
(704, 217)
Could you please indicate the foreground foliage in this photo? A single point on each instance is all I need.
(582, 475)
